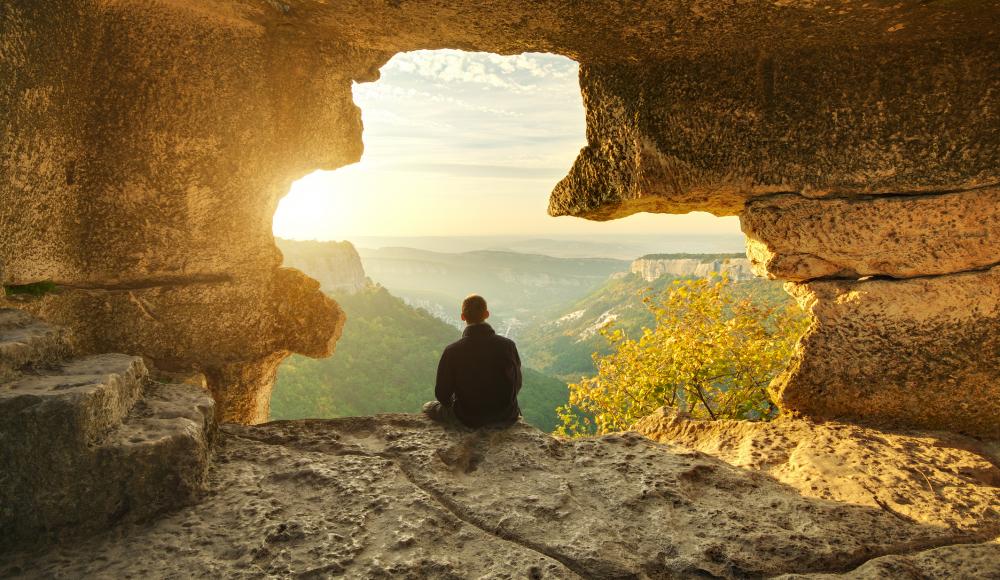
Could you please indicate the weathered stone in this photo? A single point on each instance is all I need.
(934, 478)
(687, 135)
(791, 237)
(73, 405)
(242, 390)
(398, 496)
(87, 443)
(919, 353)
(979, 561)
(143, 150)
(26, 340)
(163, 160)
(212, 327)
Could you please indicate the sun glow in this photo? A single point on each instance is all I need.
(322, 202)
(462, 144)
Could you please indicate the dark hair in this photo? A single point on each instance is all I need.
(474, 309)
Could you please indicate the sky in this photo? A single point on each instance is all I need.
(463, 144)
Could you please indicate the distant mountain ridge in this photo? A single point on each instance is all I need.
(702, 257)
(517, 286)
(617, 246)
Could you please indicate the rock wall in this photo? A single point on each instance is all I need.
(924, 351)
(652, 267)
(335, 265)
(905, 296)
(144, 145)
(144, 148)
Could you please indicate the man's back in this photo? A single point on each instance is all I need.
(481, 372)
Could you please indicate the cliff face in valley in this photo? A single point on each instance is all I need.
(654, 266)
(336, 265)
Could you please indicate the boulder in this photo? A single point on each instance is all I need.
(90, 441)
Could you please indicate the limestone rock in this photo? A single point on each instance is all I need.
(791, 237)
(922, 353)
(242, 389)
(399, 496)
(336, 265)
(26, 340)
(938, 479)
(212, 327)
(71, 406)
(88, 442)
(980, 561)
(143, 150)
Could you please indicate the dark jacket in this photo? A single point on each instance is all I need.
(480, 376)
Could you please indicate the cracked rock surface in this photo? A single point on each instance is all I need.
(919, 353)
(398, 496)
(792, 237)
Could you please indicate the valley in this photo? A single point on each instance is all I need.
(402, 308)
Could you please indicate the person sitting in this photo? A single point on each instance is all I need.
(479, 376)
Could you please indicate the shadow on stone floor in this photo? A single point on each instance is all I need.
(399, 496)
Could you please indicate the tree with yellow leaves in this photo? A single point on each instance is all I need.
(711, 354)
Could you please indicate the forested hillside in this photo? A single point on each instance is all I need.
(562, 345)
(386, 362)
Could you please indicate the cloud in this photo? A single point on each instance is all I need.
(520, 73)
(452, 115)
(479, 170)
(367, 93)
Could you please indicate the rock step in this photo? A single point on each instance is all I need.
(156, 459)
(73, 404)
(26, 341)
(166, 411)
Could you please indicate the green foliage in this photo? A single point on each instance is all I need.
(386, 362)
(35, 289)
(564, 349)
(712, 351)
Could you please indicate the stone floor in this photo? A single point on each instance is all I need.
(397, 496)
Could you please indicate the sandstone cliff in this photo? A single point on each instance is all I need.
(336, 265)
(651, 267)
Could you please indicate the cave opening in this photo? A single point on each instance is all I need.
(449, 198)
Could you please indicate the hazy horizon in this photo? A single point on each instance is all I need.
(617, 246)
(463, 144)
